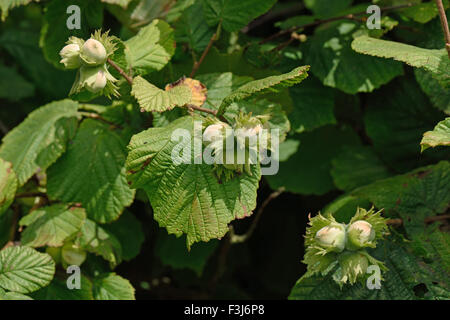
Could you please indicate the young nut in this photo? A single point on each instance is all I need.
(93, 79)
(70, 56)
(360, 233)
(332, 237)
(93, 53)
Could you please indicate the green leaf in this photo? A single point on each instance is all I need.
(432, 60)
(187, 198)
(23, 46)
(433, 246)
(192, 29)
(263, 86)
(92, 172)
(13, 86)
(325, 8)
(313, 106)
(334, 62)
(51, 226)
(151, 49)
(128, 230)
(123, 3)
(414, 196)
(220, 85)
(6, 5)
(58, 290)
(295, 22)
(148, 10)
(98, 240)
(357, 166)
(424, 12)
(440, 136)
(234, 14)
(395, 120)
(172, 251)
(439, 96)
(111, 286)
(288, 148)
(13, 296)
(8, 185)
(55, 33)
(40, 139)
(24, 269)
(308, 170)
(151, 98)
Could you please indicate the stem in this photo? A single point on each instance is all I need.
(444, 24)
(221, 259)
(437, 218)
(242, 238)
(318, 22)
(399, 222)
(120, 70)
(206, 110)
(205, 52)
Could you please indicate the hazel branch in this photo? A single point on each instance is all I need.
(198, 63)
(120, 70)
(319, 22)
(242, 238)
(444, 24)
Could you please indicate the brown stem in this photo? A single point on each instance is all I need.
(206, 110)
(283, 45)
(437, 218)
(205, 52)
(444, 24)
(31, 195)
(399, 222)
(242, 238)
(96, 116)
(221, 259)
(119, 69)
(318, 22)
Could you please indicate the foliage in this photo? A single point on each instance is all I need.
(107, 130)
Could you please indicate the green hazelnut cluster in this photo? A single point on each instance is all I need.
(90, 58)
(225, 139)
(342, 248)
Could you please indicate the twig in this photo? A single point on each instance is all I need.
(437, 218)
(242, 238)
(206, 110)
(32, 195)
(122, 73)
(444, 24)
(205, 52)
(318, 22)
(283, 45)
(399, 222)
(192, 107)
(96, 116)
(221, 259)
